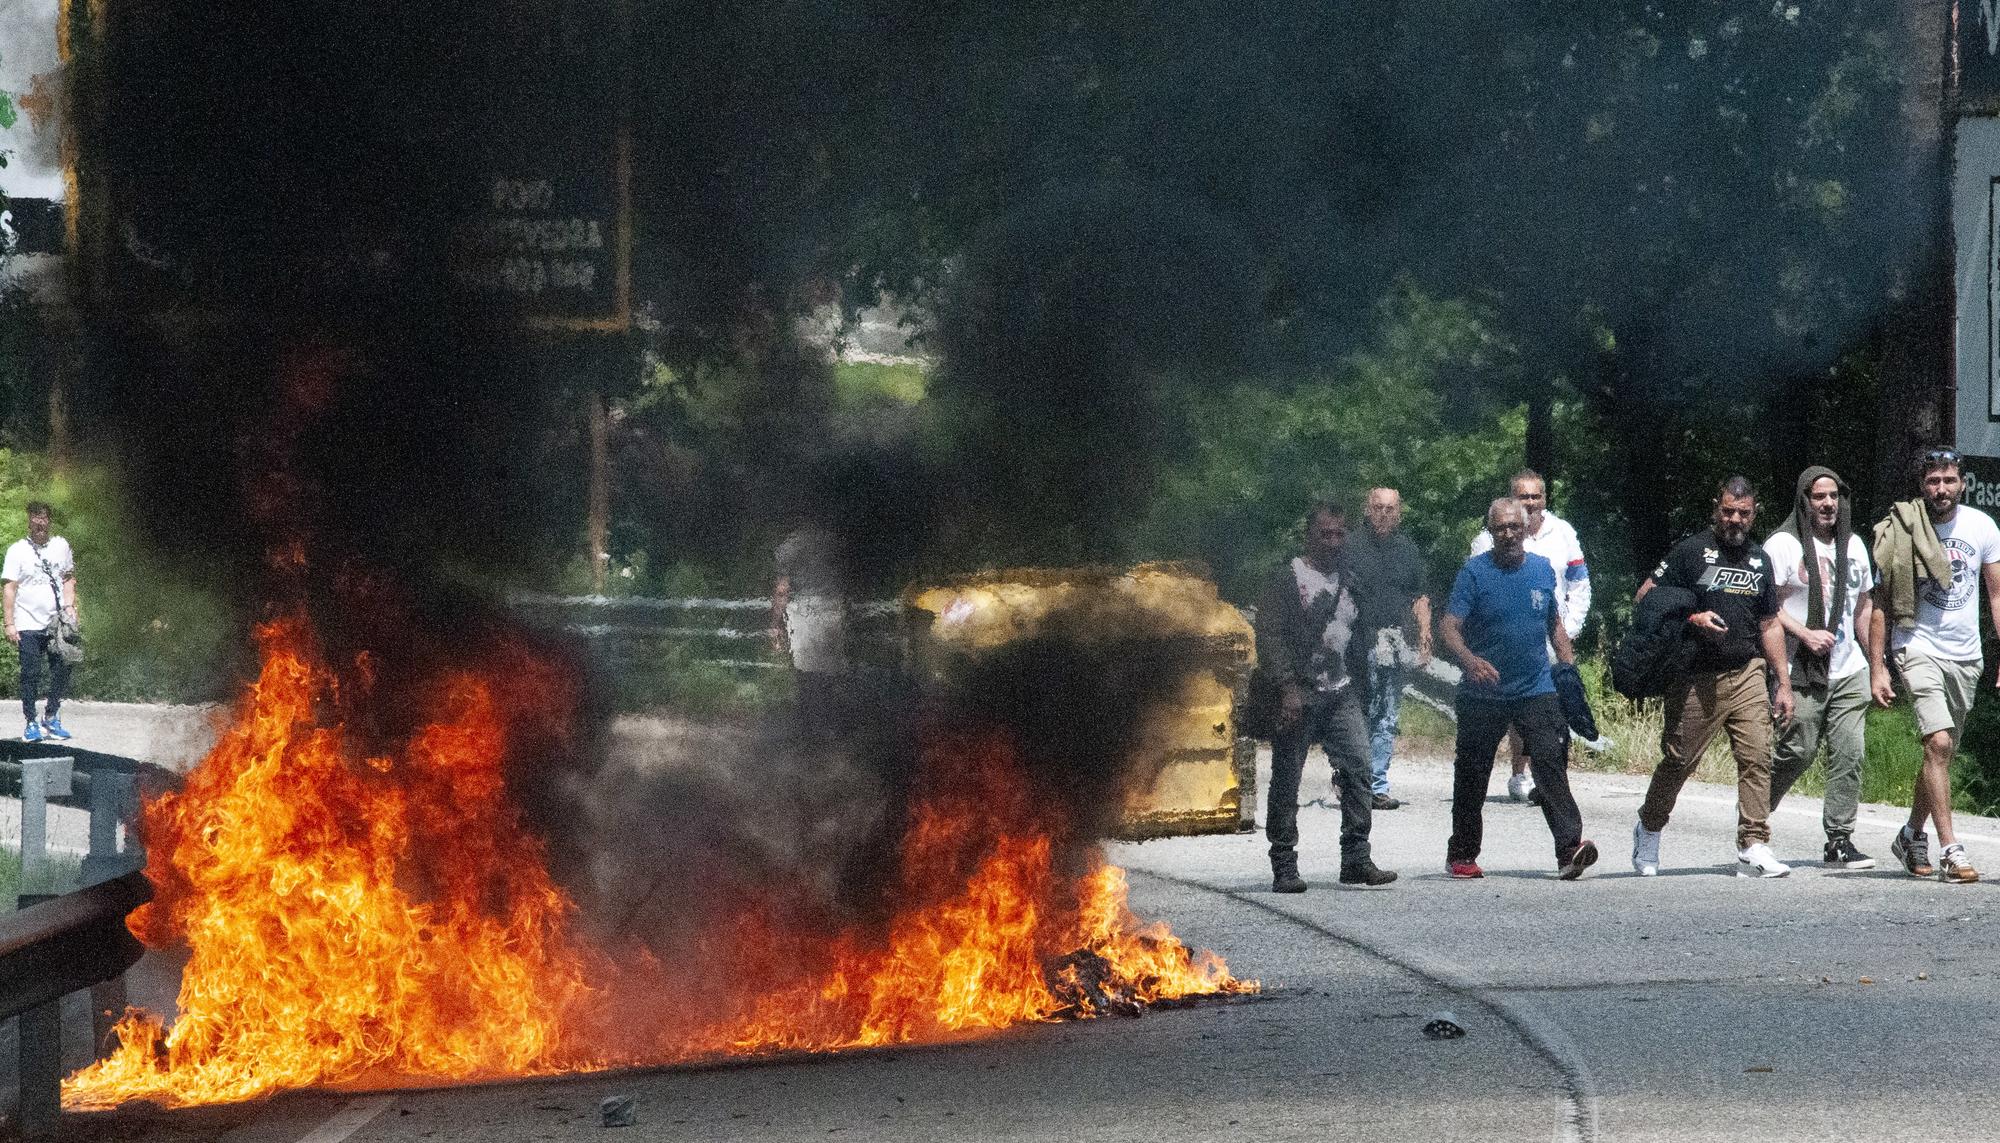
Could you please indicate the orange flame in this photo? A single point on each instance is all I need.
(359, 918)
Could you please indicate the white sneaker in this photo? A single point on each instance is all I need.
(1519, 786)
(1645, 850)
(1759, 861)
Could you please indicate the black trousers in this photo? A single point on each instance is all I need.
(37, 648)
(1334, 722)
(1482, 723)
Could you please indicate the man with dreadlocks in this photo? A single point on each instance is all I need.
(1823, 603)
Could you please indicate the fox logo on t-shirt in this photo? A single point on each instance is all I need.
(1735, 581)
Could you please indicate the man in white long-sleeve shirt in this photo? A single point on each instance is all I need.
(1550, 537)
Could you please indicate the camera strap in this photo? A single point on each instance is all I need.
(55, 585)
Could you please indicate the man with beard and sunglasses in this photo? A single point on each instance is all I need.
(1935, 556)
(1736, 681)
(1825, 610)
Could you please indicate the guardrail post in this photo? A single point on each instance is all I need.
(47, 951)
(40, 777)
(114, 797)
(40, 1029)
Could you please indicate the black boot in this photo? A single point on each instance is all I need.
(1365, 872)
(1285, 874)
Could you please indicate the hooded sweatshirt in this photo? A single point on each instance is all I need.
(1808, 669)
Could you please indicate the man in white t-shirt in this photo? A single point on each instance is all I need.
(1933, 555)
(39, 571)
(1822, 603)
(1550, 537)
(809, 622)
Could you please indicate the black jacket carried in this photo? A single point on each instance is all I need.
(1574, 700)
(1655, 650)
(1285, 644)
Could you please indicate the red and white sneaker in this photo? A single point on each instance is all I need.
(1580, 859)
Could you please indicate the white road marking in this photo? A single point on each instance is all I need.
(352, 1117)
(1577, 1117)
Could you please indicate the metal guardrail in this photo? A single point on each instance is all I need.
(49, 950)
(630, 631)
(57, 944)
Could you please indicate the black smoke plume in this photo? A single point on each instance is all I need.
(1084, 203)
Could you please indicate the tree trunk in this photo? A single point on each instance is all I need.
(1639, 419)
(599, 528)
(1540, 447)
(1919, 390)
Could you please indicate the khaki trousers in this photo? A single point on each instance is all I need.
(1739, 703)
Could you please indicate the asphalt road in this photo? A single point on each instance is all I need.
(1692, 1006)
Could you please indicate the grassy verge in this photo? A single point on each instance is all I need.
(64, 870)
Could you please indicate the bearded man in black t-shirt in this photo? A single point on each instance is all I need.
(1737, 680)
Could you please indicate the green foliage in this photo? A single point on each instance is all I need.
(1889, 771)
(1419, 721)
(1254, 455)
(1976, 774)
(63, 874)
(676, 678)
(151, 635)
(865, 384)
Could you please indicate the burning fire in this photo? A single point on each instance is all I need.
(358, 915)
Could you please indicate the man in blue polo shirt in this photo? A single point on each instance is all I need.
(1499, 625)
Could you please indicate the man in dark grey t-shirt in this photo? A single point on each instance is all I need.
(1395, 623)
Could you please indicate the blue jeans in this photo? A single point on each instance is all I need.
(1333, 722)
(1385, 702)
(35, 652)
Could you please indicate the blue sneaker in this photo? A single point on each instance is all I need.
(53, 727)
(32, 734)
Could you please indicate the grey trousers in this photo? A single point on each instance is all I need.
(1336, 723)
(1835, 715)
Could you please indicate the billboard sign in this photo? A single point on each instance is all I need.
(1975, 228)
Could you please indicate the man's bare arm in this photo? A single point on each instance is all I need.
(1559, 638)
(1875, 637)
(1452, 631)
(1991, 574)
(1817, 640)
(1772, 637)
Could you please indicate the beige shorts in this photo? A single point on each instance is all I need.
(1941, 689)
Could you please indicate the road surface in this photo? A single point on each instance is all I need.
(1692, 1006)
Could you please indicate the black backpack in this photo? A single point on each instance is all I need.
(1655, 650)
